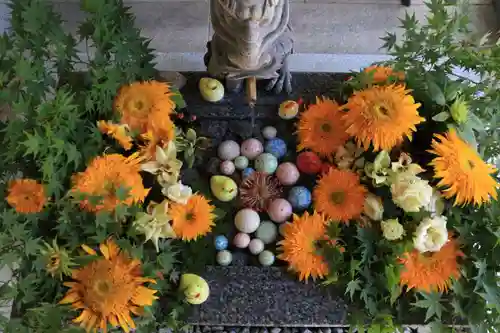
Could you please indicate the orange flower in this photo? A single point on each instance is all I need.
(381, 116)
(382, 73)
(462, 171)
(26, 196)
(104, 176)
(109, 289)
(161, 126)
(193, 219)
(433, 271)
(321, 128)
(117, 132)
(339, 195)
(138, 101)
(299, 246)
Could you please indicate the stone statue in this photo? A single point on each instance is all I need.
(252, 39)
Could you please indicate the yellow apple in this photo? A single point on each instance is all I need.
(211, 89)
(195, 288)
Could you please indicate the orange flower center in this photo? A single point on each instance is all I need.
(138, 105)
(326, 127)
(381, 111)
(189, 216)
(337, 197)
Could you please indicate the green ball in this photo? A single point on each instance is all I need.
(267, 232)
(241, 162)
(266, 258)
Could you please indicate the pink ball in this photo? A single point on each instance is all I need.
(241, 240)
(251, 148)
(287, 173)
(279, 210)
(227, 168)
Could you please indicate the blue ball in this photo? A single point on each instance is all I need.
(276, 147)
(299, 197)
(221, 243)
(247, 172)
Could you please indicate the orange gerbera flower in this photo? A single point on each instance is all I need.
(117, 132)
(321, 128)
(299, 245)
(382, 73)
(339, 195)
(432, 271)
(26, 196)
(109, 289)
(137, 101)
(381, 116)
(161, 126)
(193, 219)
(462, 171)
(104, 176)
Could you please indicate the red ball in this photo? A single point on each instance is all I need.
(308, 162)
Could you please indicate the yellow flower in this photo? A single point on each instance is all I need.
(193, 219)
(463, 173)
(166, 165)
(104, 176)
(109, 289)
(321, 129)
(381, 116)
(392, 229)
(459, 110)
(117, 132)
(26, 196)
(57, 260)
(155, 225)
(299, 245)
(410, 192)
(179, 193)
(374, 207)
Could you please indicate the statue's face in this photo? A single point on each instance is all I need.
(256, 12)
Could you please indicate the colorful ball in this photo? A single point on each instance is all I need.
(256, 246)
(241, 162)
(276, 147)
(279, 210)
(247, 172)
(288, 110)
(266, 258)
(227, 168)
(221, 242)
(251, 148)
(247, 220)
(241, 240)
(308, 162)
(299, 197)
(267, 232)
(266, 163)
(287, 173)
(269, 132)
(228, 150)
(224, 258)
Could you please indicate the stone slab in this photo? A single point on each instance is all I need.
(266, 296)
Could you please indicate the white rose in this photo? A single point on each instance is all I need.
(431, 234)
(392, 229)
(373, 207)
(410, 192)
(178, 193)
(436, 204)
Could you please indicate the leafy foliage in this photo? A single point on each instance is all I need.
(50, 133)
(453, 73)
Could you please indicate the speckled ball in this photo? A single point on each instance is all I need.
(299, 197)
(247, 172)
(224, 258)
(228, 150)
(241, 162)
(227, 168)
(266, 258)
(241, 240)
(276, 147)
(221, 242)
(279, 210)
(251, 148)
(266, 163)
(256, 246)
(287, 173)
(267, 232)
(269, 132)
(247, 220)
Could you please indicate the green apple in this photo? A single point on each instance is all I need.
(211, 89)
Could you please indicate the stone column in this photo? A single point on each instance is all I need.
(4, 17)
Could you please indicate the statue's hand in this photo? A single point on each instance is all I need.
(284, 79)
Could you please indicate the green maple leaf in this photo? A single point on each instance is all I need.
(32, 144)
(431, 302)
(352, 287)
